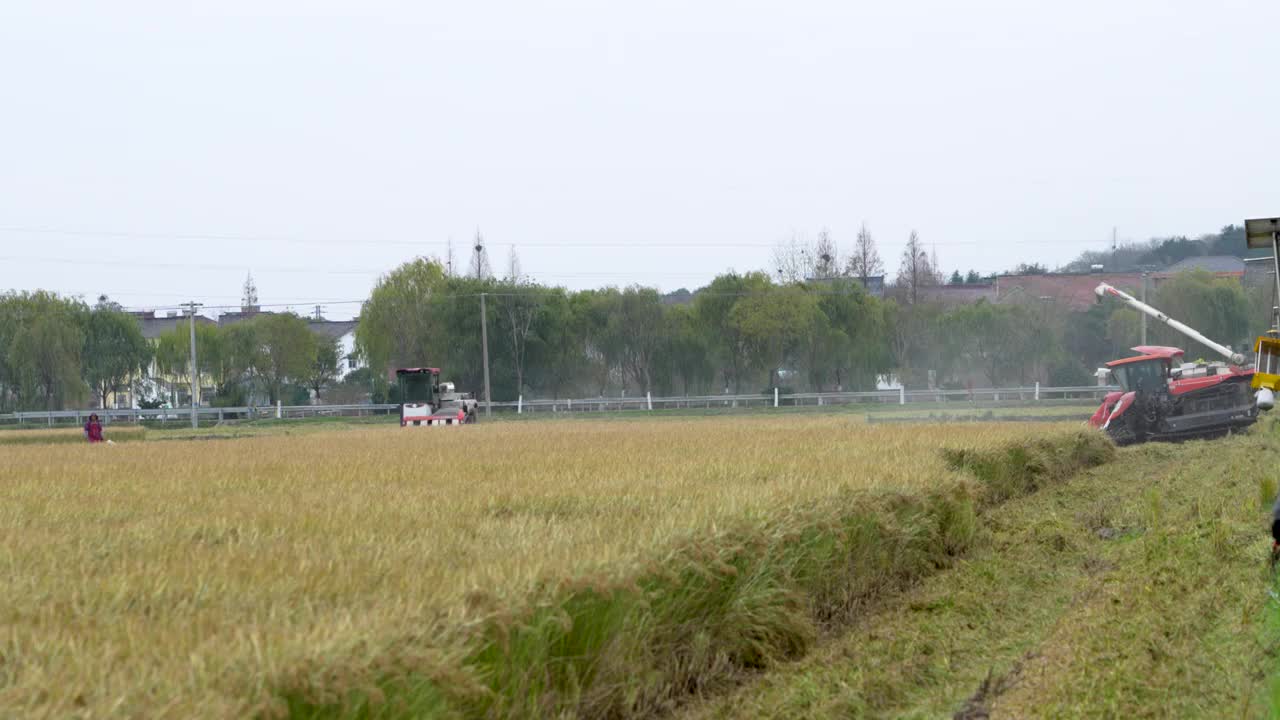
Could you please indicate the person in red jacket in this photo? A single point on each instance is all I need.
(93, 429)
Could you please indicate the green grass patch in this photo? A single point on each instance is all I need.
(1022, 468)
(1140, 589)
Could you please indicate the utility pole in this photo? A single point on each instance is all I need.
(318, 316)
(484, 347)
(195, 382)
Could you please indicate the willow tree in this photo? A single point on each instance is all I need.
(114, 351)
(400, 324)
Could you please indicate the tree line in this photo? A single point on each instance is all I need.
(815, 329)
(58, 352)
(1164, 251)
(270, 356)
(741, 332)
(746, 333)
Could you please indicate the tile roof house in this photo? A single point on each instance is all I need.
(1075, 290)
(153, 327)
(344, 331)
(155, 384)
(952, 295)
(1072, 290)
(873, 284)
(1220, 265)
(245, 313)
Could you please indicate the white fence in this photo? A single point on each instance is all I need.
(993, 396)
(988, 396)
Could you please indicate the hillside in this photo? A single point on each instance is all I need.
(1162, 252)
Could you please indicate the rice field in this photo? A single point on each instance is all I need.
(499, 570)
(69, 436)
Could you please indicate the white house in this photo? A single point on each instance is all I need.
(344, 331)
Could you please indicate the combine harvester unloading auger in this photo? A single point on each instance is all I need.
(1163, 399)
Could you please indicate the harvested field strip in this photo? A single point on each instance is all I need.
(1135, 590)
(508, 569)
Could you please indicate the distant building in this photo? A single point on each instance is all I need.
(874, 284)
(175, 388)
(1073, 291)
(247, 312)
(952, 295)
(344, 331)
(1223, 266)
(1259, 273)
(153, 327)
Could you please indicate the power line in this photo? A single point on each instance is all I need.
(365, 241)
(570, 275)
(537, 294)
(180, 265)
(641, 244)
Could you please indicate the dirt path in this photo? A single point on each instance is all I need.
(1136, 590)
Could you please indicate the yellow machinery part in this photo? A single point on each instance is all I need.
(1267, 372)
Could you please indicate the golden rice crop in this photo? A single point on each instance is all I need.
(64, 435)
(206, 578)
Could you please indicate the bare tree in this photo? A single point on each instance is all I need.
(791, 260)
(865, 261)
(915, 271)
(520, 306)
(513, 266)
(480, 259)
(249, 297)
(796, 259)
(826, 259)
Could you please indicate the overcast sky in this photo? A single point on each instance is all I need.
(157, 152)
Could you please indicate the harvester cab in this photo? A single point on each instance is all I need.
(418, 390)
(1142, 372)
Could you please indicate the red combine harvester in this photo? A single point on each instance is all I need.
(424, 400)
(1163, 399)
